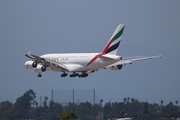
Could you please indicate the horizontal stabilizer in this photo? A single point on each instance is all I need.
(110, 57)
(130, 60)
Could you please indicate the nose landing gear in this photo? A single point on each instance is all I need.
(39, 75)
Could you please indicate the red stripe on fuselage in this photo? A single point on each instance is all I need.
(92, 60)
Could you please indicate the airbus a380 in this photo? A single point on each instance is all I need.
(81, 64)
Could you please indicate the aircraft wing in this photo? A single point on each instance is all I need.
(47, 63)
(34, 57)
(130, 60)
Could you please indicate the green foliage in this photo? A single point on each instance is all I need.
(6, 110)
(86, 117)
(26, 107)
(24, 103)
(67, 116)
(145, 107)
(122, 112)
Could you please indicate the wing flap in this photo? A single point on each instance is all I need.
(56, 65)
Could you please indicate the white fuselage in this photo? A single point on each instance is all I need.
(77, 62)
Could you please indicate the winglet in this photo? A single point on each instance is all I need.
(29, 55)
(29, 52)
(160, 56)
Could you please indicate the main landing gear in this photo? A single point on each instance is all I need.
(83, 75)
(79, 75)
(64, 74)
(74, 75)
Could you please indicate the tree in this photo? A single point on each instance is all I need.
(45, 98)
(101, 101)
(161, 102)
(145, 107)
(125, 100)
(128, 98)
(132, 100)
(67, 116)
(45, 101)
(24, 103)
(176, 102)
(86, 117)
(107, 106)
(170, 104)
(36, 103)
(55, 108)
(122, 112)
(6, 110)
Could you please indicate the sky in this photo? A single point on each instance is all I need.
(66, 26)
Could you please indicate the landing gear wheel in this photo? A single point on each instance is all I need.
(83, 75)
(39, 75)
(74, 75)
(64, 75)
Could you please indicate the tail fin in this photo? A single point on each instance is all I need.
(113, 43)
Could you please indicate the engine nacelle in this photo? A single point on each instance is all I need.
(117, 67)
(28, 64)
(37, 67)
(34, 64)
(43, 68)
(40, 68)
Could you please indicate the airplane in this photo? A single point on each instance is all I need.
(82, 64)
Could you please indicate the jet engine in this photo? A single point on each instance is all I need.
(28, 64)
(34, 64)
(117, 67)
(40, 68)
